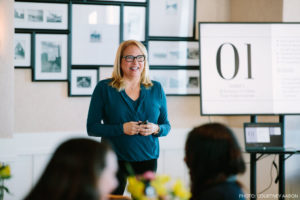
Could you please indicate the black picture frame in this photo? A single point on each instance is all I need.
(134, 23)
(178, 82)
(174, 53)
(22, 50)
(96, 29)
(51, 57)
(79, 54)
(83, 82)
(172, 18)
(37, 15)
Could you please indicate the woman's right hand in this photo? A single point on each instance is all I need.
(131, 128)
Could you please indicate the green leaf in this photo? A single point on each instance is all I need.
(2, 187)
(129, 169)
(5, 177)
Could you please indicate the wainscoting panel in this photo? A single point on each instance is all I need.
(28, 154)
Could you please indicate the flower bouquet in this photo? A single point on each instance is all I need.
(156, 187)
(4, 174)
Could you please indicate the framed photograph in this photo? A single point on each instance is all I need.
(40, 15)
(95, 34)
(83, 82)
(178, 82)
(174, 53)
(105, 72)
(22, 50)
(171, 18)
(50, 57)
(134, 23)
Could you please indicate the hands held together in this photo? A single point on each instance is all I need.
(133, 128)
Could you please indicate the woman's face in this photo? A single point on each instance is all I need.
(108, 181)
(132, 70)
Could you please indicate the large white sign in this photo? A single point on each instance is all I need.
(249, 68)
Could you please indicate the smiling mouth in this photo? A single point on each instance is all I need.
(134, 68)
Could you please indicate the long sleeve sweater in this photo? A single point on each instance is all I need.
(110, 109)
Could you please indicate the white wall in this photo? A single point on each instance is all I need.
(6, 69)
(291, 11)
(43, 112)
(28, 153)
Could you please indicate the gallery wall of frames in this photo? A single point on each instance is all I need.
(76, 41)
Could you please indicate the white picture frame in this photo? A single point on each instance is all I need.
(171, 18)
(96, 29)
(174, 53)
(177, 82)
(51, 57)
(22, 50)
(83, 82)
(105, 72)
(134, 23)
(40, 15)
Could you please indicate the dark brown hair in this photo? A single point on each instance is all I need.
(212, 154)
(73, 172)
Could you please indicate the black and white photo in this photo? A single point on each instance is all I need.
(134, 23)
(83, 82)
(54, 16)
(174, 53)
(51, 57)
(171, 7)
(177, 82)
(171, 18)
(95, 36)
(96, 29)
(22, 50)
(19, 14)
(35, 15)
(31, 15)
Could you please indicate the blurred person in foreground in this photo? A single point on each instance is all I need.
(214, 158)
(79, 169)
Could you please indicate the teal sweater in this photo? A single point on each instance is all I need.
(110, 109)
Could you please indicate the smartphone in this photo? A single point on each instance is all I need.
(144, 122)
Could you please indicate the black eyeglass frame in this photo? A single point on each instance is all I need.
(131, 58)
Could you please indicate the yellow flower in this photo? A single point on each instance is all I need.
(136, 188)
(4, 171)
(159, 184)
(180, 191)
(163, 191)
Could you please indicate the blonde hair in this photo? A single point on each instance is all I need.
(117, 75)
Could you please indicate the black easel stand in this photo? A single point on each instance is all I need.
(281, 184)
(281, 180)
(253, 119)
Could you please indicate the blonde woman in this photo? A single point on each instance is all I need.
(130, 111)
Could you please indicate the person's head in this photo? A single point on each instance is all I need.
(212, 154)
(131, 62)
(78, 169)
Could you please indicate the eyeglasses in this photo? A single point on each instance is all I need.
(130, 58)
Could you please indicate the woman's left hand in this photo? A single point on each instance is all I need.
(148, 129)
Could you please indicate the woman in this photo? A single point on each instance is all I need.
(214, 158)
(79, 169)
(130, 111)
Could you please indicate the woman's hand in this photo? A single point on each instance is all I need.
(131, 128)
(148, 129)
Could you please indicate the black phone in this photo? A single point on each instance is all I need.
(144, 122)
